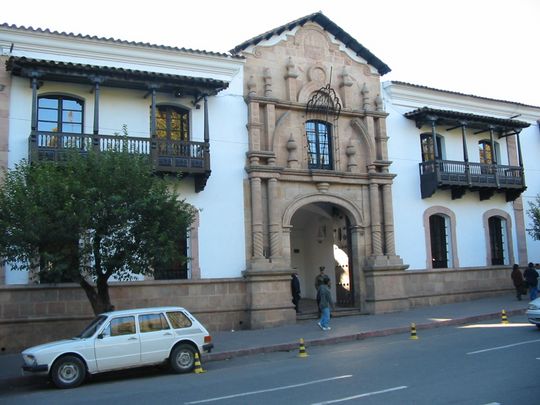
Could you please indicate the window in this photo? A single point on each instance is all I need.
(426, 143)
(497, 236)
(439, 239)
(179, 320)
(60, 114)
(486, 154)
(173, 270)
(172, 123)
(319, 145)
(152, 323)
(121, 326)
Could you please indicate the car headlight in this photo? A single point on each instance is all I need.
(534, 307)
(30, 359)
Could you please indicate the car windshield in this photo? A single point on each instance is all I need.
(92, 327)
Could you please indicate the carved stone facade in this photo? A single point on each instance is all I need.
(281, 76)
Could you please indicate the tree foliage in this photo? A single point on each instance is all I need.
(90, 218)
(534, 214)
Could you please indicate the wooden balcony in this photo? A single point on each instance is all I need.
(187, 158)
(460, 177)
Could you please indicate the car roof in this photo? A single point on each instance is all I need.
(143, 310)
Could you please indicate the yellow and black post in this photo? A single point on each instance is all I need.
(504, 319)
(198, 367)
(413, 331)
(302, 349)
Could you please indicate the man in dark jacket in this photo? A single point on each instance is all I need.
(519, 283)
(531, 276)
(295, 291)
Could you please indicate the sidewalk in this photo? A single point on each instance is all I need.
(344, 329)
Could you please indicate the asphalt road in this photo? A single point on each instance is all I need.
(486, 363)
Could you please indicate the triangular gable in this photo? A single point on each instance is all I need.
(329, 26)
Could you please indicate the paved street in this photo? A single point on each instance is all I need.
(477, 364)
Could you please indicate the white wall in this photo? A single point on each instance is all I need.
(405, 153)
(221, 203)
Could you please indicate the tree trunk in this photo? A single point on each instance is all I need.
(98, 295)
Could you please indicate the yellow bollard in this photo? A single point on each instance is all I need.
(302, 349)
(413, 331)
(504, 319)
(198, 367)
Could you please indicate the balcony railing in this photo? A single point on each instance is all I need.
(462, 176)
(167, 156)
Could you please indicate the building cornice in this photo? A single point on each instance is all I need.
(119, 54)
(415, 96)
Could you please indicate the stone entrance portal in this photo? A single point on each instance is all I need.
(321, 237)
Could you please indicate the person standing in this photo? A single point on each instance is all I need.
(519, 283)
(531, 276)
(325, 303)
(319, 279)
(295, 291)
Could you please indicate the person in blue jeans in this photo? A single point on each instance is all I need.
(531, 277)
(325, 303)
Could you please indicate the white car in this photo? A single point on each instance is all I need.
(533, 312)
(122, 339)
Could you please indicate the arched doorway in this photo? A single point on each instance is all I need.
(321, 236)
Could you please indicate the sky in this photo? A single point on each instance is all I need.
(488, 48)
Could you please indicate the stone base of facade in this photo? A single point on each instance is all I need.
(269, 298)
(34, 314)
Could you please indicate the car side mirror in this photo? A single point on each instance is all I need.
(100, 336)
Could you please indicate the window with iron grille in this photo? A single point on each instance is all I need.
(319, 139)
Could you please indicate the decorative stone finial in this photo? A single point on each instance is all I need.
(346, 80)
(365, 97)
(292, 73)
(379, 103)
(252, 86)
(267, 83)
(292, 159)
(351, 152)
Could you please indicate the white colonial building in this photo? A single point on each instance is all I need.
(297, 155)
(182, 107)
(464, 207)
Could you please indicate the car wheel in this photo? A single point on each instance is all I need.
(68, 372)
(183, 358)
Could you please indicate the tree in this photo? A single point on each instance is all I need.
(91, 218)
(534, 214)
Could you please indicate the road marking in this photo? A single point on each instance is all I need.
(504, 347)
(286, 387)
(367, 394)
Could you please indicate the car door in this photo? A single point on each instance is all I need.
(118, 345)
(156, 337)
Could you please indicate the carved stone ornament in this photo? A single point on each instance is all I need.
(292, 159)
(292, 73)
(252, 86)
(267, 83)
(346, 80)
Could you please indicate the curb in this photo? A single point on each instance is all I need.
(286, 347)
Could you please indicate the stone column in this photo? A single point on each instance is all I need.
(374, 205)
(275, 234)
(388, 220)
(254, 129)
(382, 139)
(256, 218)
